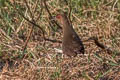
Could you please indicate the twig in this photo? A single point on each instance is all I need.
(70, 10)
(33, 22)
(19, 27)
(95, 39)
(54, 41)
(31, 30)
(36, 5)
(41, 5)
(51, 17)
(3, 32)
(29, 10)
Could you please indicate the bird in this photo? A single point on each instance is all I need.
(71, 43)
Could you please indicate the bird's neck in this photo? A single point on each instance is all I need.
(67, 28)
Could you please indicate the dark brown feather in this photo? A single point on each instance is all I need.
(71, 44)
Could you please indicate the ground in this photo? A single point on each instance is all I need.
(42, 59)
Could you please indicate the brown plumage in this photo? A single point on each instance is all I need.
(71, 44)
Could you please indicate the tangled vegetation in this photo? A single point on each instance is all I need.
(30, 40)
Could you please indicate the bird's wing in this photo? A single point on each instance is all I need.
(77, 44)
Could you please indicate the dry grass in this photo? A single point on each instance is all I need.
(41, 61)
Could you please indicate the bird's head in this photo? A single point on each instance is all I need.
(60, 18)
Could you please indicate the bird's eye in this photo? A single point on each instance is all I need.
(58, 16)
